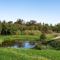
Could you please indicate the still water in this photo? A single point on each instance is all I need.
(25, 44)
(19, 44)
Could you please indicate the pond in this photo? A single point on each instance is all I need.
(18, 44)
(25, 44)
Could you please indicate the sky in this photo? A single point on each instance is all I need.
(47, 11)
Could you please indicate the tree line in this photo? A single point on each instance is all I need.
(9, 28)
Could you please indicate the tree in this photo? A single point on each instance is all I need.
(57, 28)
(31, 22)
(4, 28)
(19, 21)
(10, 22)
(45, 28)
(43, 37)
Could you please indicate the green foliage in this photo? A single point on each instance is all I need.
(43, 37)
(32, 32)
(10, 28)
(55, 44)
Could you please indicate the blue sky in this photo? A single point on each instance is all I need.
(47, 11)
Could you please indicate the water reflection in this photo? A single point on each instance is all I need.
(27, 44)
(18, 44)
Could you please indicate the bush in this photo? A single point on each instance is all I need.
(43, 38)
(55, 44)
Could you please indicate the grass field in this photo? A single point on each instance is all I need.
(24, 37)
(19, 37)
(28, 54)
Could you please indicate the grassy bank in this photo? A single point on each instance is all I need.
(19, 37)
(28, 54)
(24, 37)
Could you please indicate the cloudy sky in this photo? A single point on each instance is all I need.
(47, 11)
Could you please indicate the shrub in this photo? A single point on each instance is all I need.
(43, 38)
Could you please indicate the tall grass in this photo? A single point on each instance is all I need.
(28, 54)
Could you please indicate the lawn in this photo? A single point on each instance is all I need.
(19, 37)
(28, 54)
(24, 37)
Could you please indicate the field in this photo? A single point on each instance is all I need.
(24, 37)
(29, 29)
(28, 54)
(19, 37)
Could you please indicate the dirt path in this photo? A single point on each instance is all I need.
(58, 37)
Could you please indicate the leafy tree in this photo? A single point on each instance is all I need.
(43, 38)
(4, 28)
(7, 28)
(19, 21)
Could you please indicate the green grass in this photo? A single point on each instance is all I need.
(28, 54)
(19, 37)
(24, 37)
(50, 36)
